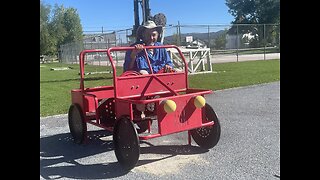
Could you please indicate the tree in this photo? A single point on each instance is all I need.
(73, 26)
(63, 27)
(220, 42)
(45, 43)
(254, 12)
(57, 26)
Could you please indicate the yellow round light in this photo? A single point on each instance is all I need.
(199, 101)
(169, 106)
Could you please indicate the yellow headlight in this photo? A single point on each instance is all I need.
(199, 101)
(169, 106)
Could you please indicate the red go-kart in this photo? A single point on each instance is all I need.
(135, 103)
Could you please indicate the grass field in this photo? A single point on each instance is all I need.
(55, 85)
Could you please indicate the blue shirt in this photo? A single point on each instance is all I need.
(158, 59)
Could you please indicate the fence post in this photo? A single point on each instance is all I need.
(264, 41)
(178, 35)
(237, 42)
(208, 36)
(115, 41)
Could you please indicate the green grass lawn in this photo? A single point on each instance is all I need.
(55, 85)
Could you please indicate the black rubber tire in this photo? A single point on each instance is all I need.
(126, 143)
(207, 137)
(77, 125)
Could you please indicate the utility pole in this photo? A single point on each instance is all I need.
(145, 14)
(179, 34)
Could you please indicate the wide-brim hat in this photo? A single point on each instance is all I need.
(147, 25)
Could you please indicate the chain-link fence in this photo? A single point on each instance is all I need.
(235, 40)
(238, 39)
(69, 53)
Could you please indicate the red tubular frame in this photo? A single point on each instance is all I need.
(109, 50)
(129, 99)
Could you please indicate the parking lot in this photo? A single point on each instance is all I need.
(249, 146)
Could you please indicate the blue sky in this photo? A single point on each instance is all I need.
(119, 14)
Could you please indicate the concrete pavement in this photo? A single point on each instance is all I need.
(249, 146)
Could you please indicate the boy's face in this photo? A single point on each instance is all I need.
(150, 36)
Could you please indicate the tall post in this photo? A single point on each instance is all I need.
(237, 42)
(146, 10)
(136, 17)
(126, 35)
(162, 36)
(143, 11)
(179, 34)
(264, 41)
(208, 36)
(116, 44)
(279, 36)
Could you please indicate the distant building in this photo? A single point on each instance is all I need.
(238, 41)
(196, 44)
(99, 41)
(189, 39)
(232, 41)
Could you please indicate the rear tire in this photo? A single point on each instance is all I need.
(77, 125)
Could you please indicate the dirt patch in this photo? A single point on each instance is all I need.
(168, 164)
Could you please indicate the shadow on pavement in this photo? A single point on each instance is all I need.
(171, 150)
(59, 154)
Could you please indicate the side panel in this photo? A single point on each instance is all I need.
(136, 85)
(76, 98)
(122, 108)
(87, 102)
(186, 116)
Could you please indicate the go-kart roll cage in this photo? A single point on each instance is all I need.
(114, 71)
